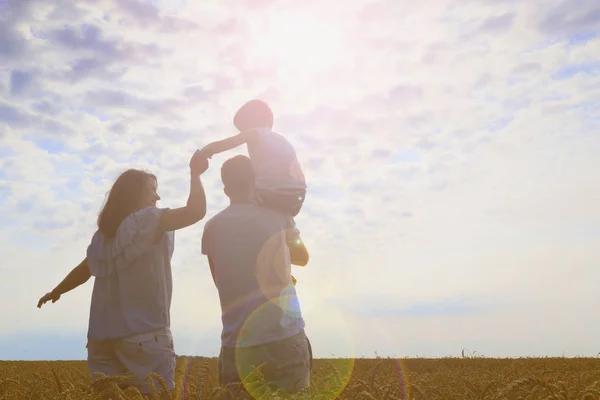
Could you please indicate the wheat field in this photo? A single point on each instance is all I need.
(428, 379)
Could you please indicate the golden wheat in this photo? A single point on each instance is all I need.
(368, 379)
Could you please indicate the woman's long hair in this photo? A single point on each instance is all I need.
(124, 198)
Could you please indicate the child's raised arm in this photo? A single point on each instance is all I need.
(232, 142)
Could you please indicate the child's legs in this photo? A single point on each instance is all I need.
(287, 201)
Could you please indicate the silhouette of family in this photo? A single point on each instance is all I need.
(250, 246)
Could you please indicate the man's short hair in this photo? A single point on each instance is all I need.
(237, 173)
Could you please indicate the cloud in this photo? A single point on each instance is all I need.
(88, 37)
(527, 68)
(119, 99)
(20, 81)
(404, 91)
(12, 116)
(148, 15)
(18, 118)
(450, 151)
(12, 43)
(571, 17)
(196, 93)
(497, 24)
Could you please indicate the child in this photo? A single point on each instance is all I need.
(280, 183)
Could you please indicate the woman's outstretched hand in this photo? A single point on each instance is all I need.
(198, 163)
(54, 296)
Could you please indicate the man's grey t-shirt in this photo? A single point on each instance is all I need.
(247, 245)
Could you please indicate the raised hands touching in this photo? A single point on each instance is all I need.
(198, 163)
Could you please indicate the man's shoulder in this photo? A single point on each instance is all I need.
(230, 212)
(246, 212)
(215, 218)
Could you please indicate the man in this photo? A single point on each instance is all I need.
(247, 249)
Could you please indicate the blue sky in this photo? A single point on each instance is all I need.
(450, 147)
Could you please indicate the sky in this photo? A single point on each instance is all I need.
(450, 149)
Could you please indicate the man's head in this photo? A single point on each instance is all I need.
(238, 178)
(254, 114)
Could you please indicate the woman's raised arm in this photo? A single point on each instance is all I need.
(195, 209)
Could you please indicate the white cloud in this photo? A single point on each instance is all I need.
(450, 149)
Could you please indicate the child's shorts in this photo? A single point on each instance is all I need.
(287, 201)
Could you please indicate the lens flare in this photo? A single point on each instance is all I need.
(332, 337)
(403, 378)
(182, 379)
(337, 371)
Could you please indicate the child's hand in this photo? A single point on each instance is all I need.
(208, 151)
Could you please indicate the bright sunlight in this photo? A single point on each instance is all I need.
(299, 46)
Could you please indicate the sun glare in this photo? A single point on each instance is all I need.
(298, 46)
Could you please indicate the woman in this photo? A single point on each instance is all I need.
(130, 258)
